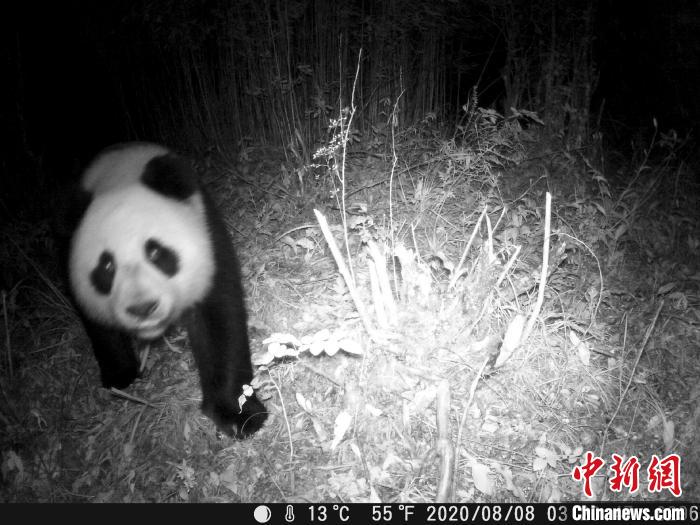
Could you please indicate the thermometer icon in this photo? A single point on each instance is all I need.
(289, 516)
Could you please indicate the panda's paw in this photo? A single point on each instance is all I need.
(234, 422)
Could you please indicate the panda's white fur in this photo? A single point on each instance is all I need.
(118, 167)
(123, 214)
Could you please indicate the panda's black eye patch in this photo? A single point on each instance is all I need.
(162, 257)
(102, 275)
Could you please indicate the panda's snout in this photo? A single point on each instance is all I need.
(142, 310)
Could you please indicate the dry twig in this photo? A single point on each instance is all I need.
(445, 449)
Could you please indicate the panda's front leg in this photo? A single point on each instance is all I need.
(114, 351)
(218, 335)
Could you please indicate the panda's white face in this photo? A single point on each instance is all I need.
(140, 259)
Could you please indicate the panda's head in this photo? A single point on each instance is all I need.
(139, 258)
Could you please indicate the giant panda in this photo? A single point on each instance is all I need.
(149, 250)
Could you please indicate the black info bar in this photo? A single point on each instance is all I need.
(361, 513)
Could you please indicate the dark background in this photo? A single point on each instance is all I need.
(199, 74)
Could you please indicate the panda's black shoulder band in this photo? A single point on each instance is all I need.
(171, 175)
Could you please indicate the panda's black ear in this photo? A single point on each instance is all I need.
(171, 175)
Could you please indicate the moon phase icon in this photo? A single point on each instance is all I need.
(262, 513)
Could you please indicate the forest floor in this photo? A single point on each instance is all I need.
(441, 378)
